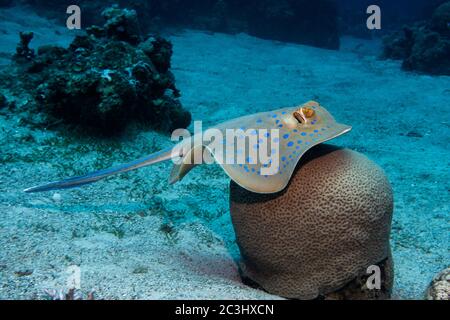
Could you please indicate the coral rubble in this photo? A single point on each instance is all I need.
(439, 288)
(70, 294)
(424, 46)
(106, 78)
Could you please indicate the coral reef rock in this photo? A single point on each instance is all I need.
(322, 232)
(440, 22)
(3, 101)
(106, 78)
(122, 24)
(424, 46)
(439, 288)
(23, 51)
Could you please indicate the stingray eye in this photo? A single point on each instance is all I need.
(303, 114)
(308, 112)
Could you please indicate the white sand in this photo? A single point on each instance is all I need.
(112, 229)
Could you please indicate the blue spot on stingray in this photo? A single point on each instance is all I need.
(303, 133)
(299, 141)
(274, 116)
(290, 144)
(253, 170)
(258, 121)
(297, 147)
(283, 158)
(290, 156)
(295, 130)
(284, 112)
(280, 126)
(285, 136)
(316, 130)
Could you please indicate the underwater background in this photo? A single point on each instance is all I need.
(67, 108)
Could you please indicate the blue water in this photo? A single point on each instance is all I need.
(134, 236)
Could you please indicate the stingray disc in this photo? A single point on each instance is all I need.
(260, 151)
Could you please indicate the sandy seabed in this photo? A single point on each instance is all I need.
(135, 237)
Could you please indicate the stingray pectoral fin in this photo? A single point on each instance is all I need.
(186, 164)
(98, 175)
(179, 171)
(255, 177)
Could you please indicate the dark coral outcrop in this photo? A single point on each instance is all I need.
(440, 21)
(23, 51)
(3, 101)
(424, 46)
(106, 78)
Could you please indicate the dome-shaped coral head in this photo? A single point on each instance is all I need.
(274, 143)
(258, 151)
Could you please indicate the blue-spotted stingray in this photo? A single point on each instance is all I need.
(299, 128)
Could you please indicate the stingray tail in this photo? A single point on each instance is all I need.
(97, 175)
